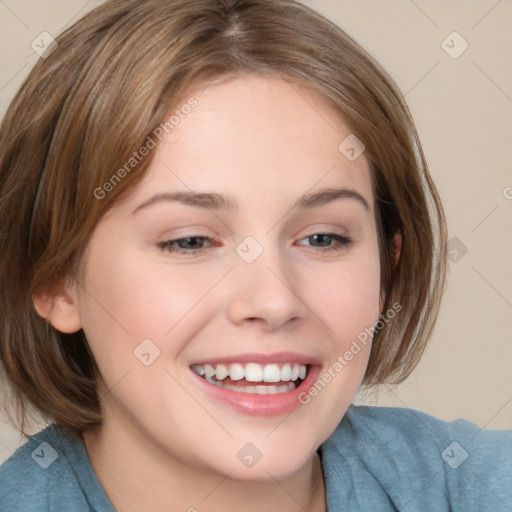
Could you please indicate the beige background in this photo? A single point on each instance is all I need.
(463, 110)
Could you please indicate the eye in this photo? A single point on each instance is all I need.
(187, 245)
(194, 245)
(327, 241)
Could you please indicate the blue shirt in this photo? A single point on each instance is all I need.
(378, 459)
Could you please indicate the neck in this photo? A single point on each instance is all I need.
(145, 474)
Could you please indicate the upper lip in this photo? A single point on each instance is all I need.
(260, 358)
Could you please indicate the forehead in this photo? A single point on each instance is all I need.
(261, 139)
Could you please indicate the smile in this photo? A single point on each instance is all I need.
(267, 379)
(257, 384)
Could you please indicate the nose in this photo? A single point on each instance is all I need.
(266, 293)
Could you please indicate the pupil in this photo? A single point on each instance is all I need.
(319, 238)
(191, 241)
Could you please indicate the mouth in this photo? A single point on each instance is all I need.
(268, 379)
(257, 384)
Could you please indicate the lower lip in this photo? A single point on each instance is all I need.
(260, 405)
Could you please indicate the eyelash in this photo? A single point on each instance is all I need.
(343, 243)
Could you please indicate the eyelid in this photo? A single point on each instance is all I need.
(166, 246)
(342, 242)
(182, 232)
(325, 233)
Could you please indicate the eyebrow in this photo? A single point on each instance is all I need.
(214, 201)
(328, 195)
(207, 200)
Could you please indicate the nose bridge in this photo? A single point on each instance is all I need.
(264, 287)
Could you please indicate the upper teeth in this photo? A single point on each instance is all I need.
(253, 372)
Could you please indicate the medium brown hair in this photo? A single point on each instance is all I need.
(90, 104)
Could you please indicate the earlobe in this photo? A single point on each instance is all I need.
(59, 308)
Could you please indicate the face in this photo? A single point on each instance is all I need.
(219, 296)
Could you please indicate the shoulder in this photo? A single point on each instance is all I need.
(40, 476)
(411, 426)
(419, 460)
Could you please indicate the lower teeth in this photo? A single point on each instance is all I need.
(258, 390)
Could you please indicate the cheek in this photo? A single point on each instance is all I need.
(346, 296)
(127, 299)
(348, 304)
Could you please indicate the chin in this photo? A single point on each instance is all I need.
(265, 460)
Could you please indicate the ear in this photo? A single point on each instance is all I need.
(59, 308)
(397, 246)
(397, 249)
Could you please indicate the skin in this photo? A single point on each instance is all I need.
(265, 143)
